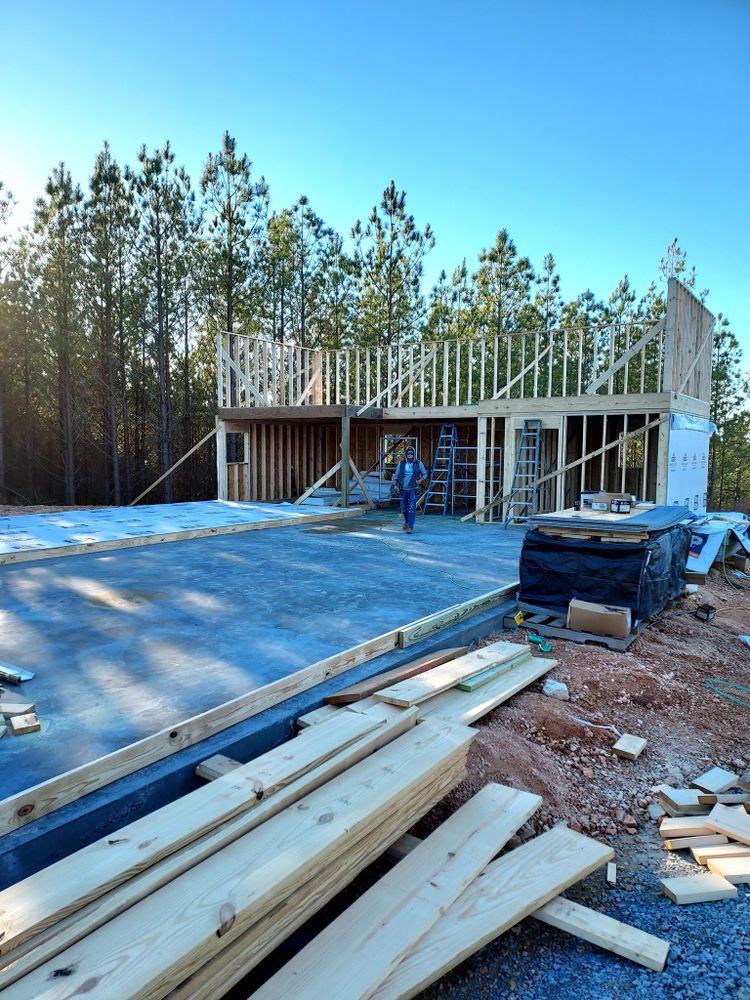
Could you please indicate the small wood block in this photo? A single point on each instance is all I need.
(21, 724)
(725, 799)
(716, 780)
(709, 840)
(702, 854)
(735, 870)
(732, 821)
(684, 801)
(612, 873)
(684, 826)
(629, 747)
(216, 767)
(9, 708)
(697, 888)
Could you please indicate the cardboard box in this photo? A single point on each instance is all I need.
(600, 500)
(601, 619)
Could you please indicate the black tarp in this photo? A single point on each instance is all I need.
(642, 576)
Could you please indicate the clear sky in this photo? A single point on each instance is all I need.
(594, 130)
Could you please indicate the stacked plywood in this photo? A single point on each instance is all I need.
(711, 820)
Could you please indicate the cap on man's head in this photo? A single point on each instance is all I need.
(409, 449)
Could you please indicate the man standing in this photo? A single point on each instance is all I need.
(409, 474)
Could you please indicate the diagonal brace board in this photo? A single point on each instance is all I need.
(637, 347)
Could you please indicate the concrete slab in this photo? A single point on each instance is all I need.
(126, 643)
(30, 537)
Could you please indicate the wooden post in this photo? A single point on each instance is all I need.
(222, 484)
(481, 464)
(670, 334)
(345, 431)
(662, 457)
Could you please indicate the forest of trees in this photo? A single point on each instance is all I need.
(111, 297)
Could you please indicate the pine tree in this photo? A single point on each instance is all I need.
(502, 286)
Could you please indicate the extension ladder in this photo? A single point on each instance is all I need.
(523, 495)
(440, 488)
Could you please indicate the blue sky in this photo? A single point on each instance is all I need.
(597, 131)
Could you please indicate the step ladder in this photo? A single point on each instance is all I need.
(523, 492)
(439, 495)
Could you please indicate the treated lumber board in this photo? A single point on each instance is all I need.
(163, 939)
(629, 747)
(734, 869)
(715, 781)
(20, 724)
(73, 928)
(432, 682)
(468, 706)
(54, 892)
(605, 932)
(732, 821)
(362, 690)
(9, 708)
(672, 827)
(358, 950)
(456, 613)
(479, 680)
(725, 799)
(683, 843)
(137, 541)
(316, 715)
(229, 966)
(216, 766)
(702, 888)
(684, 801)
(702, 854)
(508, 890)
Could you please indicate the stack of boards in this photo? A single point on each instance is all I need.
(183, 903)
(711, 819)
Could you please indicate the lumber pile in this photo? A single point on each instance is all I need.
(711, 819)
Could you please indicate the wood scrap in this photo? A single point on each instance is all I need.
(702, 854)
(684, 843)
(216, 767)
(363, 689)
(508, 890)
(629, 747)
(725, 799)
(611, 873)
(139, 953)
(681, 801)
(20, 724)
(358, 950)
(319, 714)
(735, 870)
(10, 708)
(479, 680)
(605, 932)
(468, 706)
(432, 682)
(715, 781)
(732, 821)
(706, 888)
(684, 826)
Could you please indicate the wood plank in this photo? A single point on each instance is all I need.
(361, 947)
(684, 826)
(9, 708)
(319, 714)
(683, 843)
(479, 680)
(702, 854)
(447, 675)
(734, 869)
(715, 781)
(67, 885)
(732, 821)
(164, 938)
(468, 706)
(76, 926)
(508, 890)
(363, 689)
(21, 724)
(683, 800)
(629, 747)
(457, 613)
(605, 932)
(40, 800)
(725, 798)
(216, 767)
(685, 889)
